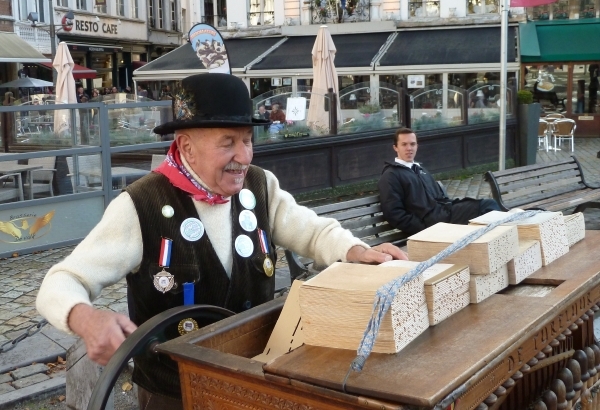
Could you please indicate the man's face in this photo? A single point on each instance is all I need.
(114, 90)
(219, 156)
(80, 90)
(261, 109)
(275, 107)
(406, 147)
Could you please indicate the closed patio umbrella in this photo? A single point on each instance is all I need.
(65, 87)
(324, 78)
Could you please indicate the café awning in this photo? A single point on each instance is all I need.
(354, 51)
(560, 40)
(183, 61)
(477, 46)
(79, 71)
(13, 49)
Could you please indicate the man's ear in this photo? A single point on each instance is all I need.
(184, 143)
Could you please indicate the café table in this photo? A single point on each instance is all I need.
(552, 131)
(116, 172)
(10, 167)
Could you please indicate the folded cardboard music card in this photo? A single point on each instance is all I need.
(526, 262)
(575, 225)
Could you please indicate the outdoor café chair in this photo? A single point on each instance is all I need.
(40, 180)
(565, 130)
(543, 132)
(11, 191)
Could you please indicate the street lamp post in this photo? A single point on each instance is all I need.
(34, 17)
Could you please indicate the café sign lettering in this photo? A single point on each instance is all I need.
(94, 27)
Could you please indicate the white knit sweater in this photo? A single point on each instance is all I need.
(114, 247)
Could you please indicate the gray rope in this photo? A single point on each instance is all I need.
(386, 293)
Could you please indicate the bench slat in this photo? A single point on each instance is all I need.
(536, 182)
(532, 174)
(341, 206)
(546, 190)
(568, 200)
(365, 221)
(519, 170)
(374, 230)
(355, 213)
(542, 198)
(393, 238)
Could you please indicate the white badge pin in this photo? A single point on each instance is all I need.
(192, 229)
(247, 199)
(244, 246)
(247, 220)
(168, 211)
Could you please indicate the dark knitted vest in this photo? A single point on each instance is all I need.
(195, 262)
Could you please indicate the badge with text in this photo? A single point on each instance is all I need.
(192, 229)
(163, 280)
(247, 199)
(268, 266)
(244, 246)
(247, 220)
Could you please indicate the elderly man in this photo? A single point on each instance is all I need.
(205, 217)
(411, 200)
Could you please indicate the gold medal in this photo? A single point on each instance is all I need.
(187, 325)
(268, 266)
(164, 281)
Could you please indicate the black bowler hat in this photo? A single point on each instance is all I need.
(210, 101)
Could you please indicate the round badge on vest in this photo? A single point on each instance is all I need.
(244, 246)
(187, 325)
(247, 220)
(247, 199)
(168, 211)
(192, 229)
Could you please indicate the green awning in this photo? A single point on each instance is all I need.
(13, 49)
(560, 40)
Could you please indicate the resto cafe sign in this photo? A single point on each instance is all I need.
(111, 28)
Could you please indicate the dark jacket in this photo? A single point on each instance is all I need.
(411, 202)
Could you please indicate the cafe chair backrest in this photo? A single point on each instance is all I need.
(564, 127)
(555, 115)
(542, 127)
(45, 163)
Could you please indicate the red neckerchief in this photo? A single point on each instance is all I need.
(173, 169)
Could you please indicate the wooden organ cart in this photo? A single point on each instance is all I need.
(516, 350)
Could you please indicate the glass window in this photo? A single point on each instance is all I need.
(160, 13)
(173, 14)
(62, 3)
(482, 6)
(121, 7)
(560, 10)
(134, 8)
(424, 8)
(587, 9)
(548, 83)
(585, 88)
(23, 10)
(215, 13)
(151, 13)
(81, 5)
(261, 12)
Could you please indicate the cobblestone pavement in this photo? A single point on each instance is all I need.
(21, 277)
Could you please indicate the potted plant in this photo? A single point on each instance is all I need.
(529, 118)
(368, 109)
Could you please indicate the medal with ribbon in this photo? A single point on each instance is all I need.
(163, 280)
(268, 266)
(188, 325)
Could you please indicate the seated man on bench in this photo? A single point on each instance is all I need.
(411, 200)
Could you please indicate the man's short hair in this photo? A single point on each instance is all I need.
(262, 105)
(401, 131)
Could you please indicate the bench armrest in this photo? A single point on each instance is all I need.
(489, 177)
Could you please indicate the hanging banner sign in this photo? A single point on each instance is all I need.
(210, 48)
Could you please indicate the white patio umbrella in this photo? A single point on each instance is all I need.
(65, 87)
(324, 78)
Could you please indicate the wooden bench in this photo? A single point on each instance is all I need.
(363, 218)
(555, 186)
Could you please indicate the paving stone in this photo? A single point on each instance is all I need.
(5, 388)
(63, 339)
(28, 381)
(5, 328)
(13, 294)
(23, 309)
(8, 314)
(31, 313)
(37, 348)
(15, 321)
(30, 370)
(5, 378)
(25, 299)
(102, 302)
(25, 289)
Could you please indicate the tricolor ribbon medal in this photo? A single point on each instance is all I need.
(163, 280)
(264, 246)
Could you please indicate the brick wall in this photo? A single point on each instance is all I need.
(6, 10)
